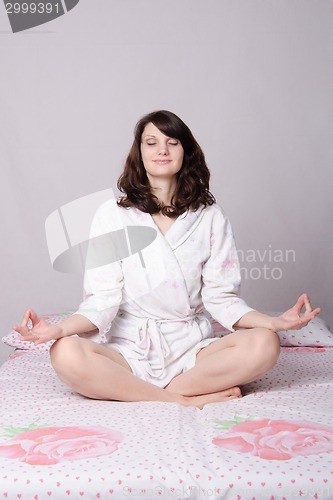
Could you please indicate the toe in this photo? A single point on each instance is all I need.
(235, 392)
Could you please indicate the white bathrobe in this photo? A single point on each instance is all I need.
(155, 306)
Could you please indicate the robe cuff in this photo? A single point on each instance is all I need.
(234, 312)
(100, 319)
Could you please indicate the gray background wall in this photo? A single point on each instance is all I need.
(252, 78)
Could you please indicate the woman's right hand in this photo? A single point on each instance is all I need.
(41, 330)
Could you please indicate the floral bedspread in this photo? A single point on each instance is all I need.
(274, 443)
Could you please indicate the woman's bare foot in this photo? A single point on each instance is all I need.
(215, 397)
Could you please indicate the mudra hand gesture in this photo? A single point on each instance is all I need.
(293, 319)
(41, 330)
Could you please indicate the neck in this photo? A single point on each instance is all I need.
(163, 189)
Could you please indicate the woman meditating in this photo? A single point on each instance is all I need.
(154, 309)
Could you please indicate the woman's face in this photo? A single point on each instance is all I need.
(162, 156)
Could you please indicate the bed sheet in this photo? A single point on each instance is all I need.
(274, 443)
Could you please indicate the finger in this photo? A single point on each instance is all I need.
(314, 313)
(299, 304)
(34, 318)
(25, 319)
(307, 305)
(30, 336)
(21, 330)
(27, 338)
(310, 316)
(317, 311)
(40, 341)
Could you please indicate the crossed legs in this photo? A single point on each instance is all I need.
(236, 359)
(101, 373)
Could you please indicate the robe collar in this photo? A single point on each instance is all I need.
(182, 228)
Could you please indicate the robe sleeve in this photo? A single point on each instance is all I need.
(221, 275)
(102, 287)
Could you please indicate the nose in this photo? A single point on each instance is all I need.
(164, 150)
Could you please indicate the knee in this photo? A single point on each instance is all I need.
(64, 352)
(266, 347)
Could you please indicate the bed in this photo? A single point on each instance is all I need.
(274, 443)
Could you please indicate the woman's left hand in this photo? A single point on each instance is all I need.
(293, 319)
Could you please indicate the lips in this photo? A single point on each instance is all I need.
(162, 162)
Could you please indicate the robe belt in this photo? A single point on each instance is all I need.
(151, 336)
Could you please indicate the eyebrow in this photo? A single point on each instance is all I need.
(154, 137)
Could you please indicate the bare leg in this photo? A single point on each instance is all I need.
(236, 359)
(101, 373)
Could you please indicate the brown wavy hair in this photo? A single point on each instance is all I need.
(192, 189)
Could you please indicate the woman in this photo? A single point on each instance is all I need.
(154, 307)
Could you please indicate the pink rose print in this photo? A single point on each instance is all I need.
(277, 439)
(51, 445)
